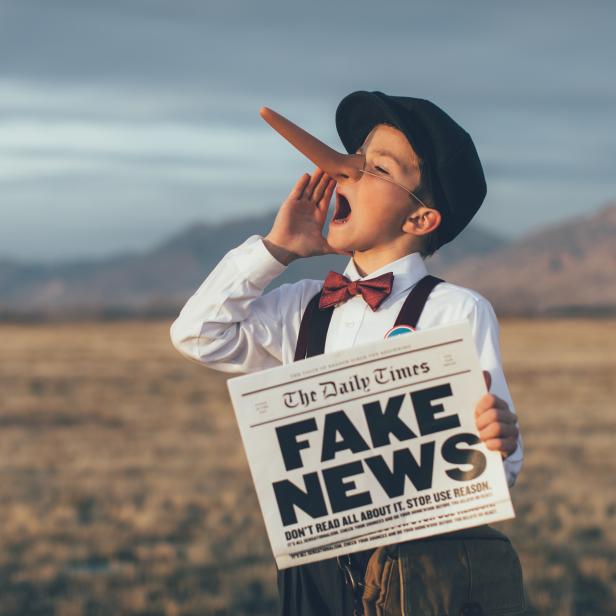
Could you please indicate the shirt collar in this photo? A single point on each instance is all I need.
(407, 271)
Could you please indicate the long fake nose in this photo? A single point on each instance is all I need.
(336, 165)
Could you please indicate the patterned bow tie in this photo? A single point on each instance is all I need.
(338, 288)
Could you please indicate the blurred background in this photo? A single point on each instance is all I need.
(132, 157)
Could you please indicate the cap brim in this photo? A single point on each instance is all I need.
(359, 112)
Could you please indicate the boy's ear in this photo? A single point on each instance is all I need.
(422, 221)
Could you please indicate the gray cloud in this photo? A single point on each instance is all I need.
(141, 116)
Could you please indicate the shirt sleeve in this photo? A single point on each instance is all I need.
(229, 324)
(486, 332)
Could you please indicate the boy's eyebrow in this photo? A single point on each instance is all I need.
(389, 155)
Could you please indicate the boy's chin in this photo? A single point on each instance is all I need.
(337, 241)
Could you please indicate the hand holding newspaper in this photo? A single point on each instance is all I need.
(370, 446)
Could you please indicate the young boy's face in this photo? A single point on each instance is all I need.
(370, 212)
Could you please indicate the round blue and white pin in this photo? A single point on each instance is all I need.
(398, 330)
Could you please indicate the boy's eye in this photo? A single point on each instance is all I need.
(381, 169)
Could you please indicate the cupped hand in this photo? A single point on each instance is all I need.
(298, 228)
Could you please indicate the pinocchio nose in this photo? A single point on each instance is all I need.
(336, 165)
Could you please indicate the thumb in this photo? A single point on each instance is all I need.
(487, 378)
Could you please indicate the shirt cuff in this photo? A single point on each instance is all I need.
(513, 464)
(257, 263)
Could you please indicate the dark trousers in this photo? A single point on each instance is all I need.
(474, 572)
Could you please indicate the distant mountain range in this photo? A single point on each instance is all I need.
(565, 269)
(568, 268)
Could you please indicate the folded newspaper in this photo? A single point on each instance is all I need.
(370, 446)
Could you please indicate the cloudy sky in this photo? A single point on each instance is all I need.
(123, 121)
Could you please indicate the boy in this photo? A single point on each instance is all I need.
(420, 184)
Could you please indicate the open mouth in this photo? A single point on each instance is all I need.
(342, 211)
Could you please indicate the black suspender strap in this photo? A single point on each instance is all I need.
(319, 324)
(416, 300)
(302, 337)
(313, 329)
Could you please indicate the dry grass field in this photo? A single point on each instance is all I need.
(124, 488)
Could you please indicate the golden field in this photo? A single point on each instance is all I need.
(124, 488)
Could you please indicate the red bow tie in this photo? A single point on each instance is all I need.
(338, 288)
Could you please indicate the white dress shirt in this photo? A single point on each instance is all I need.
(229, 324)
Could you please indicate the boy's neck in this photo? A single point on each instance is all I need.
(371, 260)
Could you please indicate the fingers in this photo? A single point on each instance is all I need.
(497, 425)
(314, 181)
(327, 194)
(489, 401)
(319, 183)
(506, 446)
(300, 186)
(320, 188)
(498, 430)
(499, 435)
(490, 416)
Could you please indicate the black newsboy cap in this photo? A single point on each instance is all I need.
(458, 181)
